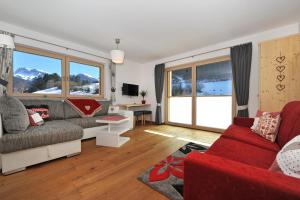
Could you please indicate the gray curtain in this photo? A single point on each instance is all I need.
(159, 86)
(241, 57)
(6, 61)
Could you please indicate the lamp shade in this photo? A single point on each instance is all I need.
(117, 56)
(7, 41)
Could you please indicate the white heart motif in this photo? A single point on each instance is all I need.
(87, 107)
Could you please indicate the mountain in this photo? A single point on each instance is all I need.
(28, 73)
(83, 78)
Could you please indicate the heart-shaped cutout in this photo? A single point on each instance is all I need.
(280, 87)
(280, 59)
(281, 77)
(280, 68)
(87, 107)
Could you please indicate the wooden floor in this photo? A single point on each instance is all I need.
(101, 172)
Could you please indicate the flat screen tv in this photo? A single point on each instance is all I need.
(130, 89)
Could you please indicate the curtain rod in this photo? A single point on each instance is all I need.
(198, 54)
(57, 45)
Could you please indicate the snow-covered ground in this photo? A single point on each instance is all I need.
(215, 88)
(53, 90)
(82, 90)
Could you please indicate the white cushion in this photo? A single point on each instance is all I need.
(288, 158)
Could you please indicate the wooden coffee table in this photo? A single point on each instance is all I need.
(110, 135)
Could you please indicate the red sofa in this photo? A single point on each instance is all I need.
(236, 165)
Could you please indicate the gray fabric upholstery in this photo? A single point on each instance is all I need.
(56, 108)
(104, 110)
(71, 113)
(159, 72)
(51, 132)
(14, 115)
(88, 122)
(241, 57)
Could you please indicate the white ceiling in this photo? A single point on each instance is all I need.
(152, 29)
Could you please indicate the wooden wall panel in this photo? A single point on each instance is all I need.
(279, 72)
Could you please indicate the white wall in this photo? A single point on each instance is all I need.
(129, 72)
(148, 68)
(126, 72)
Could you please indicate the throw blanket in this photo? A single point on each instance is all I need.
(85, 107)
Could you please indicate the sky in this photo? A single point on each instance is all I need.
(50, 65)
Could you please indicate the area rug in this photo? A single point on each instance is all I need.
(166, 176)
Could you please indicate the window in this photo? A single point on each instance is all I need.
(42, 73)
(199, 95)
(36, 74)
(85, 79)
(180, 96)
(214, 95)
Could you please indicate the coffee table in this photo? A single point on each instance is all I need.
(110, 136)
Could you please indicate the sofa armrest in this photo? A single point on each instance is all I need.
(243, 121)
(215, 178)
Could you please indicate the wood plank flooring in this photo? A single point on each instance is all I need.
(101, 172)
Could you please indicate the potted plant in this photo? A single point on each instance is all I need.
(143, 93)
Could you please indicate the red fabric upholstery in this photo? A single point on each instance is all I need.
(242, 152)
(290, 123)
(244, 134)
(243, 121)
(208, 177)
(113, 118)
(85, 107)
(236, 165)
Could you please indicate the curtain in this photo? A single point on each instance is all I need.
(6, 61)
(241, 57)
(159, 72)
(113, 82)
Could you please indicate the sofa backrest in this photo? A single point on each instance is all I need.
(56, 108)
(290, 123)
(59, 109)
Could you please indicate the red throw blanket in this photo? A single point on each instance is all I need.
(85, 107)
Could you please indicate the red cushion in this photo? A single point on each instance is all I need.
(245, 134)
(242, 152)
(290, 123)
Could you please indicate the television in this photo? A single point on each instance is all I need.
(130, 89)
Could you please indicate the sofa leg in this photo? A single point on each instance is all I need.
(14, 171)
(73, 154)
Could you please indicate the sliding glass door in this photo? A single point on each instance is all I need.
(180, 96)
(200, 95)
(214, 95)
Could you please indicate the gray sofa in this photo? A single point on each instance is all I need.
(65, 125)
(58, 137)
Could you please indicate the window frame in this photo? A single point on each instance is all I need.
(168, 95)
(84, 62)
(65, 76)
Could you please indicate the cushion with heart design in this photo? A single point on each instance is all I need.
(266, 124)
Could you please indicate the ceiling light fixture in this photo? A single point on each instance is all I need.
(117, 55)
(6, 41)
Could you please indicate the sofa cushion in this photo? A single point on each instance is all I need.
(14, 114)
(52, 132)
(71, 113)
(290, 123)
(242, 152)
(87, 122)
(56, 108)
(245, 134)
